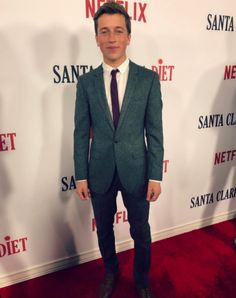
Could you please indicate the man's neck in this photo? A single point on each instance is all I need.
(115, 64)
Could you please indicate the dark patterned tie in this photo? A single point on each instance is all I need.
(114, 98)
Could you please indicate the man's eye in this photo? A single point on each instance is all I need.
(103, 32)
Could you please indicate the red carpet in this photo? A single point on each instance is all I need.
(198, 264)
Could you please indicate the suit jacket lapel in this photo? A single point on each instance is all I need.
(130, 87)
(100, 91)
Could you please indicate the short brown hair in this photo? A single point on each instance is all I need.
(111, 8)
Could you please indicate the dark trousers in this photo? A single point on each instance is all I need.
(104, 207)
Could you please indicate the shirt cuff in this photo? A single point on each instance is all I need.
(155, 180)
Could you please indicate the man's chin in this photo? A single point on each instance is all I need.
(113, 59)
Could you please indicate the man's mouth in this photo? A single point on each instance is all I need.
(112, 48)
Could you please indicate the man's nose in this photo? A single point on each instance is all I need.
(112, 37)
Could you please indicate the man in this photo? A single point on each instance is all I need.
(121, 107)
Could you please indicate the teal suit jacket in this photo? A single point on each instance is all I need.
(124, 148)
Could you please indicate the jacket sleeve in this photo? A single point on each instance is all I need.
(81, 133)
(154, 131)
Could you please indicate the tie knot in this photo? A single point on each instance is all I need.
(114, 72)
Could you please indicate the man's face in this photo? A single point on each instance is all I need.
(112, 38)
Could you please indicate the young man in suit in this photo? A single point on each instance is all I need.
(121, 102)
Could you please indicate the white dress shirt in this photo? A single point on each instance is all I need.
(121, 78)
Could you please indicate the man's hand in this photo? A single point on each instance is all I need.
(153, 191)
(82, 190)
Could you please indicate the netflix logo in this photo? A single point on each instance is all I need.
(120, 217)
(164, 71)
(230, 72)
(136, 10)
(7, 141)
(225, 156)
(10, 247)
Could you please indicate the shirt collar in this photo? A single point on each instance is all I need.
(122, 68)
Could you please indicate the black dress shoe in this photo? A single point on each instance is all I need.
(107, 285)
(144, 293)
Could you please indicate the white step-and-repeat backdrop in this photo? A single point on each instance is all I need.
(44, 47)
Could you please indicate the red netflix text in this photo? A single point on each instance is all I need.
(120, 216)
(230, 72)
(225, 156)
(136, 10)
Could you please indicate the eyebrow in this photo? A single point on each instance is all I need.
(117, 27)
